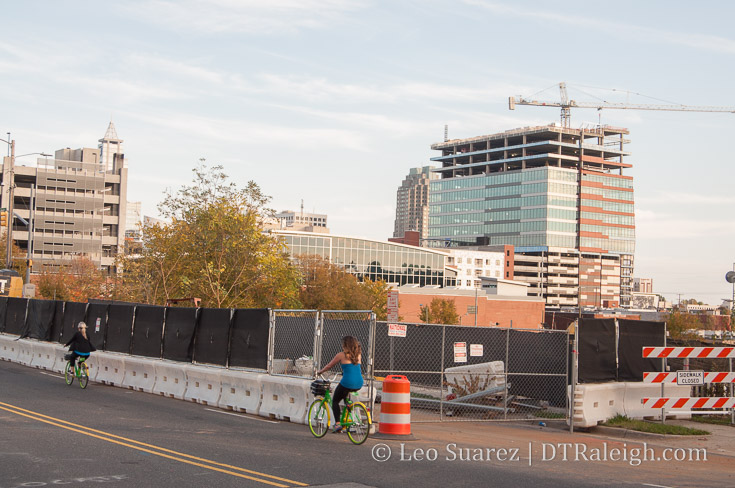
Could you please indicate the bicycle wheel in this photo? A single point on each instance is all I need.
(68, 374)
(83, 375)
(319, 418)
(359, 430)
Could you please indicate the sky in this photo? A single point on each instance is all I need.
(333, 101)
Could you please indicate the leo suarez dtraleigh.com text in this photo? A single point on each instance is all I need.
(544, 452)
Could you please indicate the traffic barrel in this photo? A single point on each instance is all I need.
(395, 406)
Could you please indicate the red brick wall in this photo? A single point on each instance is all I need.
(524, 314)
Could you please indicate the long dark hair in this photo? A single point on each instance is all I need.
(352, 348)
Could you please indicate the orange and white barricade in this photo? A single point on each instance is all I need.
(395, 406)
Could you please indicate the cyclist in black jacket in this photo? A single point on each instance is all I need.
(80, 346)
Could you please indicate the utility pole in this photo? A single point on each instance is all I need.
(10, 175)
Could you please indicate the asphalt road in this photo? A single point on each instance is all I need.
(54, 434)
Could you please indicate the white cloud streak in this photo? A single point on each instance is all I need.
(624, 30)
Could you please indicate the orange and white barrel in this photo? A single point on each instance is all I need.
(395, 406)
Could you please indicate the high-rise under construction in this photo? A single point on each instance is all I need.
(557, 194)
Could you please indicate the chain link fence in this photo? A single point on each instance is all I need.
(477, 373)
(294, 343)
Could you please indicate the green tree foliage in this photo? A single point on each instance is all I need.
(19, 256)
(440, 311)
(329, 287)
(213, 248)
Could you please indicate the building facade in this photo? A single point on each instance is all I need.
(412, 203)
(75, 204)
(543, 190)
(394, 263)
(300, 221)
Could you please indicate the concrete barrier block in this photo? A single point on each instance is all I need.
(44, 356)
(170, 379)
(489, 374)
(25, 352)
(140, 374)
(241, 391)
(634, 392)
(597, 402)
(285, 398)
(108, 368)
(203, 384)
(9, 348)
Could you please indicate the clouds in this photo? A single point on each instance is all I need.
(253, 17)
(627, 30)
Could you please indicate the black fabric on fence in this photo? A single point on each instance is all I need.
(15, 317)
(97, 324)
(178, 334)
(40, 319)
(58, 323)
(74, 313)
(212, 336)
(338, 325)
(294, 337)
(119, 328)
(148, 331)
(537, 354)
(396, 355)
(633, 335)
(249, 338)
(597, 350)
(3, 310)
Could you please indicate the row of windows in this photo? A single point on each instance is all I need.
(610, 231)
(502, 191)
(359, 253)
(609, 206)
(611, 245)
(503, 228)
(499, 203)
(610, 218)
(614, 194)
(609, 181)
(528, 175)
(502, 215)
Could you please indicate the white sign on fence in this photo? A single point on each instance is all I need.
(690, 377)
(476, 349)
(397, 330)
(392, 307)
(460, 352)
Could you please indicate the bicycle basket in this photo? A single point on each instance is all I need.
(67, 356)
(319, 387)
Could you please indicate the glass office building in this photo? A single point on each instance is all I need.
(538, 188)
(376, 260)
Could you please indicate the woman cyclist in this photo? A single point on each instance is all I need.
(349, 359)
(80, 345)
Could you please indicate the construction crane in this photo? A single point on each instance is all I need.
(566, 106)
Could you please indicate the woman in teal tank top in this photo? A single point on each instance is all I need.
(350, 360)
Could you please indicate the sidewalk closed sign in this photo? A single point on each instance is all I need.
(397, 330)
(690, 377)
(460, 352)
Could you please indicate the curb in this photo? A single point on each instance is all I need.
(636, 434)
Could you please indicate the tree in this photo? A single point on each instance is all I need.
(76, 281)
(440, 311)
(326, 286)
(19, 256)
(213, 248)
(678, 323)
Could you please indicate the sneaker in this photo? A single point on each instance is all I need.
(337, 429)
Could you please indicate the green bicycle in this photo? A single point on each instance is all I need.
(80, 370)
(355, 417)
